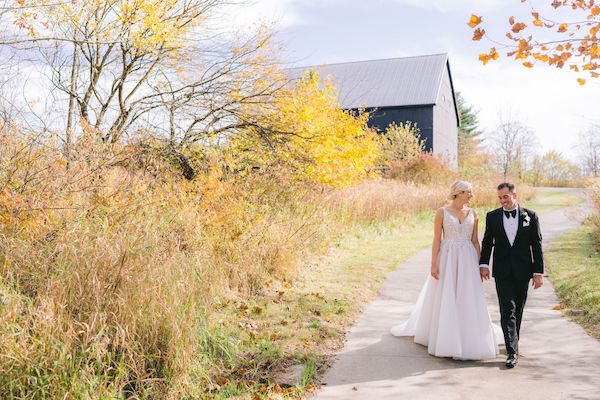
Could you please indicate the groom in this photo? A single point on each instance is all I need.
(514, 233)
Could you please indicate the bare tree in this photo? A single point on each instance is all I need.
(512, 142)
(552, 169)
(175, 77)
(589, 149)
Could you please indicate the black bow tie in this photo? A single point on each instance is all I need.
(512, 213)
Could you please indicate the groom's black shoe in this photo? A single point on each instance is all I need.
(511, 361)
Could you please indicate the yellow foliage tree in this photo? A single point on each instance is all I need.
(310, 136)
(147, 25)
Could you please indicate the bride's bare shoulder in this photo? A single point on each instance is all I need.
(441, 212)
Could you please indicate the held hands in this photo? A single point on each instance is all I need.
(537, 282)
(484, 273)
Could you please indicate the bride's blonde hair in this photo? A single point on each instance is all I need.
(457, 187)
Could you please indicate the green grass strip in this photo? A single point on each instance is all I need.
(573, 263)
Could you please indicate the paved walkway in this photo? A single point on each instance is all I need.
(558, 359)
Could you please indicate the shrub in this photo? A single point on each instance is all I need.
(424, 168)
(400, 143)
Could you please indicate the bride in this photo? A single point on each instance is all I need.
(451, 316)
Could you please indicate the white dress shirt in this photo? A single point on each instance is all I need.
(511, 225)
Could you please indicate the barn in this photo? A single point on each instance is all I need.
(417, 89)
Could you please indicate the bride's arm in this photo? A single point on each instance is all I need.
(437, 239)
(475, 235)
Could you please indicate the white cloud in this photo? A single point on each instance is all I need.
(455, 5)
(246, 16)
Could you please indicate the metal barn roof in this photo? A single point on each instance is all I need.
(407, 81)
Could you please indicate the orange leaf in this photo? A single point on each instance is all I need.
(595, 74)
(595, 11)
(556, 4)
(511, 20)
(563, 27)
(528, 64)
(565, 56)
(474, 21)
(556, 308)
(581, 81)
(522, 55)
(484, 58)
(494, 55)
(538, 22)
(518, 27)
(478, 34)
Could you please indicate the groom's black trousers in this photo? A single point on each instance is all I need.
(512, 294)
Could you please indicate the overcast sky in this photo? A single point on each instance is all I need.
(548, 100)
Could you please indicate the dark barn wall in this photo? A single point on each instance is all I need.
(381, 117)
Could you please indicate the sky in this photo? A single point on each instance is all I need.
(550, 101)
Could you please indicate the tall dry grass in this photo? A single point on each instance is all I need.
(593, 186)
(111, 264)
(108, 269)
(385, 200)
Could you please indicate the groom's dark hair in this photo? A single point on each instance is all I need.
(509, 186)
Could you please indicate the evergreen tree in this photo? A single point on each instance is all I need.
(469, 134)
(469, 123)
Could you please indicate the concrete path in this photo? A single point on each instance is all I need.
(558, 359)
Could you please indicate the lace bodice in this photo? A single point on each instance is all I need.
(453, 230)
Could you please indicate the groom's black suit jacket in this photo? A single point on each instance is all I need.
(524, 257)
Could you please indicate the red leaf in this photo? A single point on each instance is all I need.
(518, 27)
(478, 34)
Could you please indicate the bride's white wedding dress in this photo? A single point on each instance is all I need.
(451, 316)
